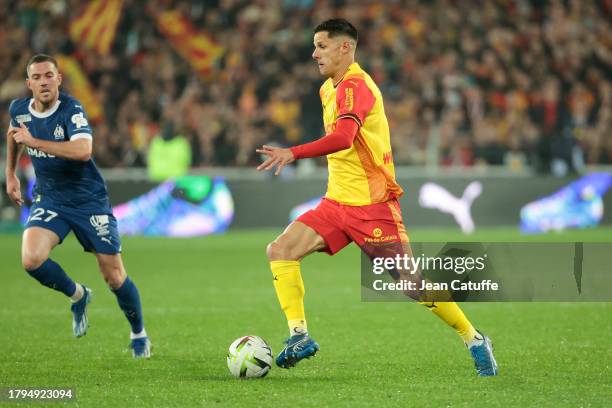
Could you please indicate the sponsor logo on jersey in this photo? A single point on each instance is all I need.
(348, 100)
(58, 133)
(387, 158)
(37, 153)
(79, 120)
(26, 117)
(100, 223)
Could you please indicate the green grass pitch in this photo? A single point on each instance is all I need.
(200, 294)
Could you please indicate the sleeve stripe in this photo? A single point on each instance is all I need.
(352, 116)
(77, 136)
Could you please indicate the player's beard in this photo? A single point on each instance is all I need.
(46, 98)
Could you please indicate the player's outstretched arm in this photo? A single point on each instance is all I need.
(277, 156)
(13, 151)
(79, 149)
(342, 138)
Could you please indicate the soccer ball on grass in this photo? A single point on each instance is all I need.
(249, 357)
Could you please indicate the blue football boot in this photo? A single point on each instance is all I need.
(298, 347)
(482, 353)
(141, 348)
(80, 323)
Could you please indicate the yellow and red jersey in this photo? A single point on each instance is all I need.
(364, 173)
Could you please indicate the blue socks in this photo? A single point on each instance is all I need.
(53, 276)
(129, 301)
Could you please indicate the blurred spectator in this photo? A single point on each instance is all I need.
(516, 83)
(169, 154)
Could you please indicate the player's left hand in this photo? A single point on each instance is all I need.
(22, 135)
(277, 156)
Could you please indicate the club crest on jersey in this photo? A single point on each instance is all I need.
(100, 223)
(79, 120)
(58, 133)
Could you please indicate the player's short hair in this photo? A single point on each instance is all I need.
(40, 58)
(337, 26)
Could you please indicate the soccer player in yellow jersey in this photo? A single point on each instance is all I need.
(361, 199)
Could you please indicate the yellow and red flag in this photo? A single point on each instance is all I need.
(95, 28)
(197, 47)
(80, 87)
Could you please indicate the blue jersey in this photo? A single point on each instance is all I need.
(66, 182)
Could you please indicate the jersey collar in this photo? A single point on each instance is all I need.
(354, 65)
(45, 114)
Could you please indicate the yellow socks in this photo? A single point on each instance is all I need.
(290, 291)
(452, 315)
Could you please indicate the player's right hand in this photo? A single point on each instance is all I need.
(13, 189)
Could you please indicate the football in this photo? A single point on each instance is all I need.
(249, 357)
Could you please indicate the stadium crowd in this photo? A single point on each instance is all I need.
(514, 82)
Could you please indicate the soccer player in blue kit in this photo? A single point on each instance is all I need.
(69, 194)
